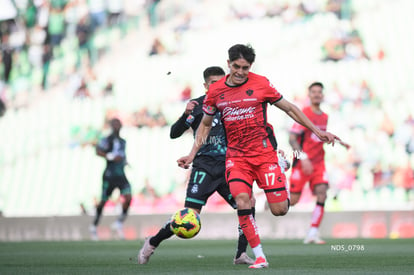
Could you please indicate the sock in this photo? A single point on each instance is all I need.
(164, 233)
(313, 231)
(242, 242)
(317, 214)
(98, 215)
(248, 225)
(123, 215)
(258, 251)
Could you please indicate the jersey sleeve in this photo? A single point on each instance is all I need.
(181, 125)
(209, 105)
(103, 145)
(272, 95)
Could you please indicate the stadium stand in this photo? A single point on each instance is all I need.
(47, 161)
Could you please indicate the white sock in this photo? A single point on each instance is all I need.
(258, 251)
(313, 231)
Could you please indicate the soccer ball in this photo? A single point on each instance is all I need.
(185, 223)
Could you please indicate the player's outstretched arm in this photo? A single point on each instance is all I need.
(346, 145)
(294, 112)
(200, 138)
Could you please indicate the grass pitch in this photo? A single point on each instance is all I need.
(175, 256)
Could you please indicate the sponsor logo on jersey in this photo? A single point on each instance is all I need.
(215, 122)
(249, 99)
(229, 163)
(231, 114)
(190, 119)
(194, 189)
(211, 109)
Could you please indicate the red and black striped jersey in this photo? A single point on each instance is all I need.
(310, 143)
(243, 111)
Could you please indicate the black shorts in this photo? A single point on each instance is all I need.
(207, 176)
(110, 183)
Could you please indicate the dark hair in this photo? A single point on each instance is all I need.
(115, 120)
(242, 51)
(315, 84)
(214, 70)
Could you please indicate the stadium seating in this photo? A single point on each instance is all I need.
(46, 171)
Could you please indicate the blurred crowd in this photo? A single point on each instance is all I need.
(60, 44)
(360, 104)
(45, 43)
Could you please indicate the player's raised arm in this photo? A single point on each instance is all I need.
(294, 112)
(181, 125)
(100, 152)
(201, 137)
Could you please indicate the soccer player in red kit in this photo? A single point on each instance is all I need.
(309, 166)
(242, 98)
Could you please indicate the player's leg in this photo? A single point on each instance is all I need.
(241, 255)
(272, 180)
(198, 190)
(250, 230)
(296, 182)
(276, 194)
(319, 187)
(99, 209)
(192, 201)
(279, 208)
(125, 189)
(239, 176)
(294, 197)
(125, 206)
(245, 213)
(107, 189)
(320, 191)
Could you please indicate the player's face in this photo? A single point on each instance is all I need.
(116, 125)
(239, 69)
(316, 95)
(211, 79)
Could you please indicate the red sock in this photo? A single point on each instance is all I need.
(248, 225)
(317, 214)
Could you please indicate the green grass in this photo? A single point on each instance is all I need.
(206, 257)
